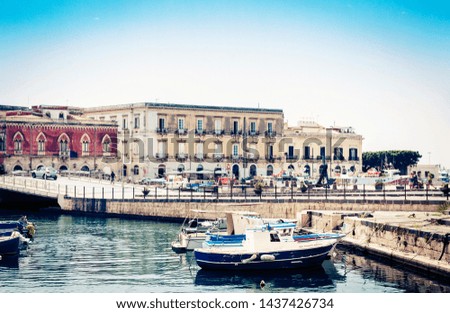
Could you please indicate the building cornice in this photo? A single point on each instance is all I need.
(171, 106)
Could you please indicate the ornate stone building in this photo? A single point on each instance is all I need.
(157, 139)
(56, 136)
(309, 145)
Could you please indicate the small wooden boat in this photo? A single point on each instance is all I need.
(194, 231)
(23, 226)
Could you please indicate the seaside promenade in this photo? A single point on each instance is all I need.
(93, 188)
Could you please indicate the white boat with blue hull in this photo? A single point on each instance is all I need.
(266, 249)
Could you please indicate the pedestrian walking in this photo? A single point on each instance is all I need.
(113, 176)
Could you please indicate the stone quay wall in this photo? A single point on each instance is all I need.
(162, 209)
(420, 240)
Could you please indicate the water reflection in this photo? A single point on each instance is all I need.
(10, 261)
(91, 254)
(318, 279)
(390, 274)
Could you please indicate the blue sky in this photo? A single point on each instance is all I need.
(382, 67)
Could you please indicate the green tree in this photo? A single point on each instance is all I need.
(400, 159)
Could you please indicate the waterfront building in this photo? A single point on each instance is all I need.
(56, 136)
(157, 139)
(308, 145)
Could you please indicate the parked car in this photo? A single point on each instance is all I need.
(158, 182)
(44, 173)
(190, 187)
(208, 187)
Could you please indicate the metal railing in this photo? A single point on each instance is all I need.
(94, 188)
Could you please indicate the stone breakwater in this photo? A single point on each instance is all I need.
(419, 239)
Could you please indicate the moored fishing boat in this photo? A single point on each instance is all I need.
(23, 226)
(267, 248)
(229, 230)
(194, 231)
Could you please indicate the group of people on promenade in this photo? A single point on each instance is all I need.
(416, 182)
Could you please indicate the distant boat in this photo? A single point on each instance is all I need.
(387, 176)
(25, 228)
(266, 248)
(444, 176)
(194, 232)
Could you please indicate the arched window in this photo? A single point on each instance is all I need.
(85, 168)
(161, 171)
(235, 171)
(85, 143)
(124, 170)
(136, 170)
(269, 170)
(307, 170)
(17, 168)
(63, 168)
(63, 141)
(337, 169)
(106, 145)
(252, 170)
(200, 171)
(2, 142)
(180, 168)
(18, 141)
(41, 139)
(217, 172)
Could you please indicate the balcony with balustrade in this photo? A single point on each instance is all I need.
(162, 131)
(162, 156)
(217, 157)
(181, 157)
(181, 132)
(292, 158)
(199, 157)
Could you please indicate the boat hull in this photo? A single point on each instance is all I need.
(9, 245)
(267, 260)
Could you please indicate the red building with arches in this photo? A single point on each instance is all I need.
(56, 136)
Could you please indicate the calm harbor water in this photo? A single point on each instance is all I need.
(90, 254)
